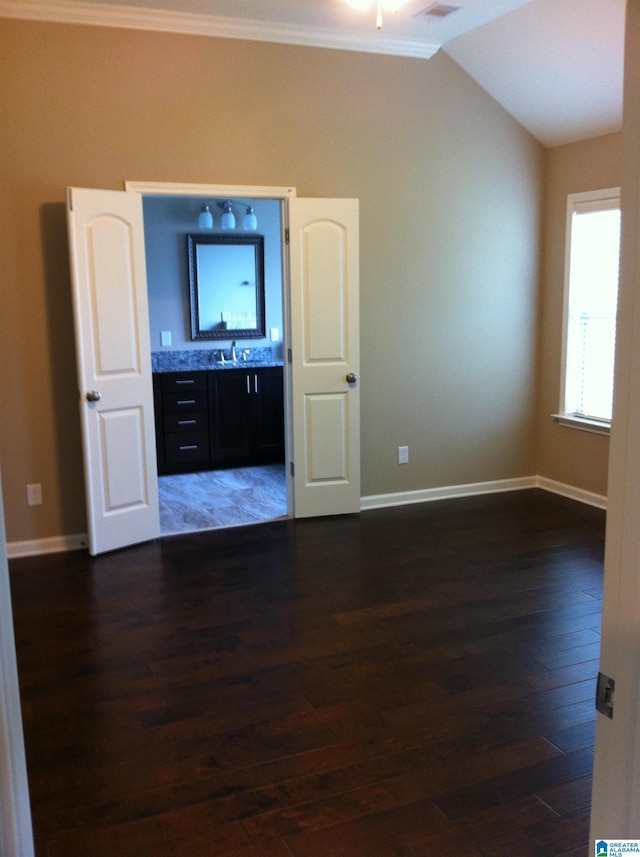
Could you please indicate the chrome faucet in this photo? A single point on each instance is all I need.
(233, 351)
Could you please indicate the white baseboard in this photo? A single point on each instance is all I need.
(572, 492)
(427, 495)
(382, 501)
(57, 544)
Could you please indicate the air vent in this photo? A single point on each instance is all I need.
(439, 10)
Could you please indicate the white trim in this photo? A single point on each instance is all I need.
(130, 18)
(57, 544)
(602, 199)
(582, 423)
(572, 492)
(428, 495)
(208, 190)
(591, 200)
(284, 194)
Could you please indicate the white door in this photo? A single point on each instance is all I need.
(106, 244)
(616, 776)
(16, 834)
(324, 271)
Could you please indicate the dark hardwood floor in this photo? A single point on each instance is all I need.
(410, 681)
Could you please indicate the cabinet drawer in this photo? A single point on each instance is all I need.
(186, 447)
(190, 421)
(189, 400)
(183, 382)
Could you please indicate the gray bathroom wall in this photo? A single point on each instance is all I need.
(167, 222)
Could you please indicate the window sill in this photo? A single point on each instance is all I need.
(582, 423)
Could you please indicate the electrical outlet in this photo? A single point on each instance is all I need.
(274, 334)
(403, 455)
(165, 338)
(34, 494)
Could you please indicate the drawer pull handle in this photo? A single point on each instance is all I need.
(186, 402)
(186, 381)
(190, 446)
(187, 422)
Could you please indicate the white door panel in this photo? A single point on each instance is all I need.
(112, 297)
(324, 265)
(326, 281)
(106, 239)
(326, 418)
(122, 447)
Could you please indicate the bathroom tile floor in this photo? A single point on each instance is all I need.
(222, 498)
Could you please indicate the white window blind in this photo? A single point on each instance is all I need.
(591, 295)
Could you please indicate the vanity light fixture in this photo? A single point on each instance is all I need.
(381, 5)
(228, 219)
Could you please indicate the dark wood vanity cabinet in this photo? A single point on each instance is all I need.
(181, 402)
(207, 419)
(247, 414)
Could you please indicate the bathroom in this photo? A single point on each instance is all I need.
(222, 494)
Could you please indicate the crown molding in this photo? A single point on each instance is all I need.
(133, 18)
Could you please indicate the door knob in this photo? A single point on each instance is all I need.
(351, 378)
(93, 396)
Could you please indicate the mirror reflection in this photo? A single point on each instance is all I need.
(226, 283)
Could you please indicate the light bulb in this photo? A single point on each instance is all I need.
(205, 218)
(228, 220)
(249, 221)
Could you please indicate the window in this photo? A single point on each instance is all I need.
(591, 296)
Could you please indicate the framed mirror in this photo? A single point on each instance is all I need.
(226, 286)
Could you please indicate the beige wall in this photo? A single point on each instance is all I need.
(450, 190)
(567, 455)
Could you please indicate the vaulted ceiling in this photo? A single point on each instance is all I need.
(555, 65)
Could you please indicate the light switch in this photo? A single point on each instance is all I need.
(274, 334)
(165, 337)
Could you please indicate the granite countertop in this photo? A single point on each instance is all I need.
(191, 360)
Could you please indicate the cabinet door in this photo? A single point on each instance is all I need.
(230, 403)
(269, 414)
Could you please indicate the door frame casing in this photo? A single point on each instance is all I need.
(283, 194)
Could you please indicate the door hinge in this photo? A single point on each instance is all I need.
(286, 235)
(70, 198)
(604, 695)
(291, 468)
(289, 355)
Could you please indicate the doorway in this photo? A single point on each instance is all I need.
(208, 498)
(321, 372)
